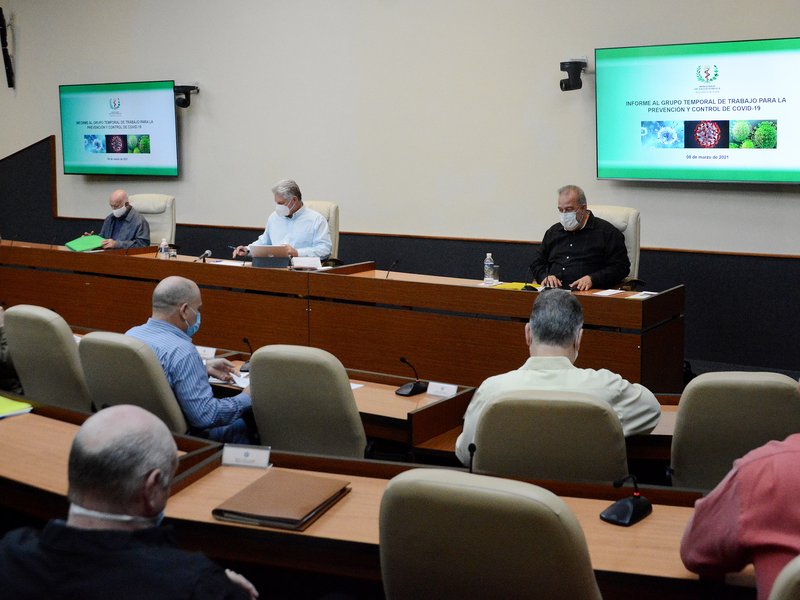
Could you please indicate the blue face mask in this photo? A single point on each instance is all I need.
(195, 327)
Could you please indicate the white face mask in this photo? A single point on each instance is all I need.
(118, 212)
(283, 210)
(569, 220)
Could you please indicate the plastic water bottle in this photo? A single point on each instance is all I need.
(488, 264)
(163, 250)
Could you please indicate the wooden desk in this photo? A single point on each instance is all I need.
(642, 559)
(452, 330)
(34, 449)
(409, 420)
(265, 305)
(458, 330)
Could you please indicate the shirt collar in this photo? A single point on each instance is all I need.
(297, 212)
(168, 327)
(548, 363)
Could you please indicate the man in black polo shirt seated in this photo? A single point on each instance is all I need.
(121, 466)
(581, 251)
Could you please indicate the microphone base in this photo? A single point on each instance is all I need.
(245, 368)
(412, 388)
(627, 511)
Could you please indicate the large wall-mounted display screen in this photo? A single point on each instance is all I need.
(119, 128)
(717, 111)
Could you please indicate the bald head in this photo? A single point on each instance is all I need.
(118, 199)
(114, 452)
(171, 293)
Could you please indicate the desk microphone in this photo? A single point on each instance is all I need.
(471, 449)
(389, 270)
(245, 368)
(411, 388)
(203, 256)
(630, 510)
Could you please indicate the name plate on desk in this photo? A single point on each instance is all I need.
(241, 455)
(442, 389)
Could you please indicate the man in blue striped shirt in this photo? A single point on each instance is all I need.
(175, 319)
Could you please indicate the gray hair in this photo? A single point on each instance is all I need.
(574, 188)
(116, 469)
(556, 319)
(286, 188)
(172, 292)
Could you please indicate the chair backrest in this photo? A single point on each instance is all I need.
(452, 535)
(628, 221)
(787, 584)
(302, 402)
(159, 210)
(722, 416)
(330, 211)
(551, 435)
(46, 357)
(123, 370)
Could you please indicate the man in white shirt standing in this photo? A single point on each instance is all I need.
(553, 335)
(302, 231)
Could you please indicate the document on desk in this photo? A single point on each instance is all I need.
(227, 262)
(283, 499)
(241, 381)
(607, 292)
(641, 295)
(206, 352)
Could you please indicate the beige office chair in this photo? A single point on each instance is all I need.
(159, 210)
(564, 436)
(46, 357)
(123, 370)
(302, 402)
(787, 584)
(452, 535)
(722, 416)
(330, 211)
(628, 221)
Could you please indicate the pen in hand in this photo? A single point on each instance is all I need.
(234, 248)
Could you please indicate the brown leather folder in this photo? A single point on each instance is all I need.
(283, 499)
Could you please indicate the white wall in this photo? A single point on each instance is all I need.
(421, 117)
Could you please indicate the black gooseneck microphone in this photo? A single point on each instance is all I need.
(392, 266)
(203, 256)
(528, 287)
(630, 510)
(471, 449)
(411, 388)
(245, 368)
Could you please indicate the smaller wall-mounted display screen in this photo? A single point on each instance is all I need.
(119, 128)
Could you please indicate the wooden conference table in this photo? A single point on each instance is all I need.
(452, 330)
(641, 559)
(409, 420)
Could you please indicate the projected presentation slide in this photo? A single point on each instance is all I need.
(722, 111)
(119, 128)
